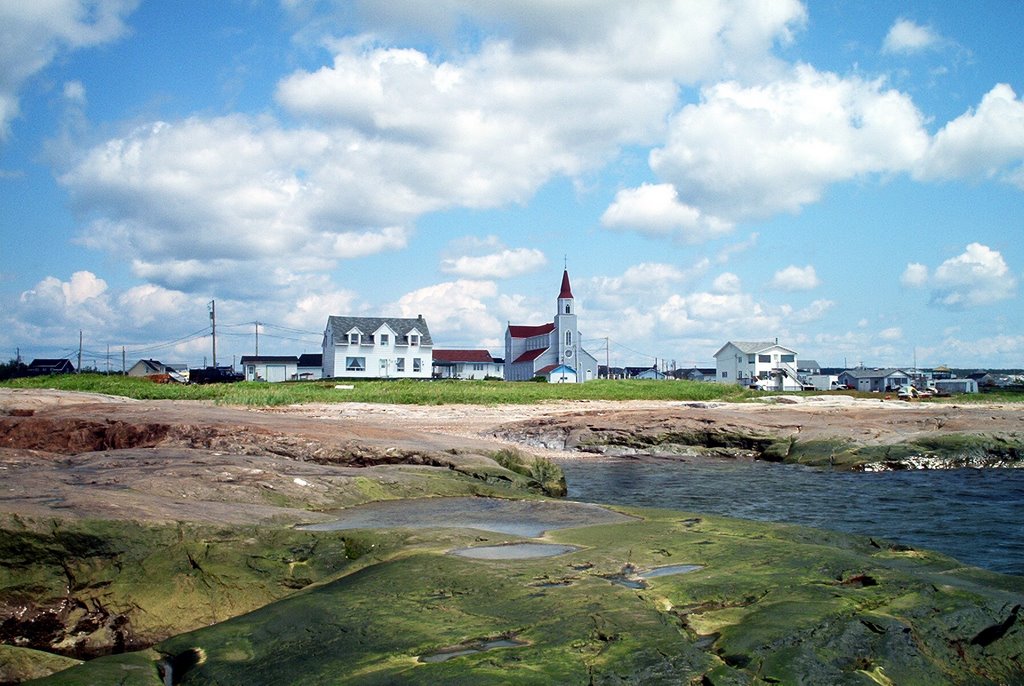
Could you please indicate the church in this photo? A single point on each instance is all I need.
(554, 350)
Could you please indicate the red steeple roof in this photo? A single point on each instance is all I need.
(566, 292)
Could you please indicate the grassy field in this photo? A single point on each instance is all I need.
(415, 392)
(407, 392)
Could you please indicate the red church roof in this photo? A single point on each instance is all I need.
(566, 291)
(531, 331)
(531, 355)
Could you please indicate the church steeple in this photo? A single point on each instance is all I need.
(566, 291)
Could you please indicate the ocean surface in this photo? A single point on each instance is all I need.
(974, 515)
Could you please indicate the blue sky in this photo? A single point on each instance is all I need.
(845, 177)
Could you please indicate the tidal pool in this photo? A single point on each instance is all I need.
(514, 551)
(528, 518)
(483, 647)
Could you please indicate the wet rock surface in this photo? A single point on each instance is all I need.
(158, 540)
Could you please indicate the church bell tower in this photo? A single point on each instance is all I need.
(566, 326)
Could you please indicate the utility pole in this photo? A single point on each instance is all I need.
(79, 370)
(607, 360)
(124, 367)
(257, 339)
(213, 328)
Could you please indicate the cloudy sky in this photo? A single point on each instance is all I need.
(847, 177)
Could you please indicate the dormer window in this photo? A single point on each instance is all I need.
(414, 339)
(383, 339)
(353, 338)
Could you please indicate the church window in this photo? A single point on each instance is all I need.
(568, 337)
(567, 308)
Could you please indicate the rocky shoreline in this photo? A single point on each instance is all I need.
(138, 535)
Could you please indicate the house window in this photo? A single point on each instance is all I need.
(383, 339)
(725, 375)
(750, 359)
(417, 365)
(414, 339)
(355, 364)
(353, 339)
(478, 367)
(789, 358)
(400, 364)
(764, 358)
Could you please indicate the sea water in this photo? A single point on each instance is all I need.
(974, 515)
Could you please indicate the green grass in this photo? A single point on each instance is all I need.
(415, 392)
(405, 392)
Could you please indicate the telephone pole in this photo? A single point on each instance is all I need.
(79, 370)
(213, 328)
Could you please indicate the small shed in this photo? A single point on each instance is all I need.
(273, 368)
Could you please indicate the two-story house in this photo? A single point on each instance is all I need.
(761, 364)
(377, 348)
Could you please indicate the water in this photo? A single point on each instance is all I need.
(974, 515)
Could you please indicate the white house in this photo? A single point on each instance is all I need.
(377, 348)
(760, 364)
(178, 373)
(272, 368)
(465, 364)
(543, 350)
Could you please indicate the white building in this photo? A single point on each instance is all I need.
(271, 368)
(760, 364)
(466, 364)
(377, 348)
(544, 350)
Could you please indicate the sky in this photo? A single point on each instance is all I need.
(845, 177)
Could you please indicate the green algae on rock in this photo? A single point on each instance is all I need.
(770, 603)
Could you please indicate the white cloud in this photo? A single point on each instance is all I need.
(893, 333)
(454, 310)
(505, 264)
(978, 276)
(74, 92)
(915, 275)
(752, 151)
(794, 278)
(981, 142)
(655, 209)
(813, 312)
(727, 282)
(906, 36)
(33, 34)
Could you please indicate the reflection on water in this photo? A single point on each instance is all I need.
(974, 515)
(514, 551)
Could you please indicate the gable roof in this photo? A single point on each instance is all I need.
(311, 360)
(752, 347)
(264, 359)
(874, 373)
(463, 356)
(530, 331)
(552, 368)
(530, 355)
(339, 326)
(43, 363)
